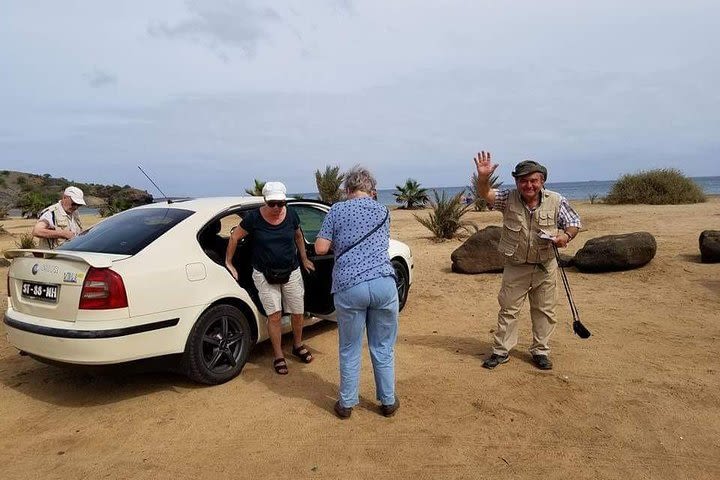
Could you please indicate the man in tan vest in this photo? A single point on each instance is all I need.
(60, 222)
(532, 217)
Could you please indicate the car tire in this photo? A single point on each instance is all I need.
(218, 345)
(402, 280)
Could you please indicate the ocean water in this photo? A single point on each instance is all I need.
(570, 190)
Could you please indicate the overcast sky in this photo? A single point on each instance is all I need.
(208, 95)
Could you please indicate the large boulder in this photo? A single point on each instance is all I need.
(566, 260)
(616, 252)
(479, 253)
(710, 246)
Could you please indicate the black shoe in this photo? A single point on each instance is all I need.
(342, 412)
(542, 362)
(494, 360)
(389, 410)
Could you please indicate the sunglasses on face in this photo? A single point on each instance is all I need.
(75, 205)
(275, 203)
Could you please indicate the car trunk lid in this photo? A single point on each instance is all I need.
(48, 283)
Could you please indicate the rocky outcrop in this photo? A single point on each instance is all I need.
(479, 253)
(710, 246)
(616, 252)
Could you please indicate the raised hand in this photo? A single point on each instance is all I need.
(484, 165)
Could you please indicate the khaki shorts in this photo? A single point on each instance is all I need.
(287, 297)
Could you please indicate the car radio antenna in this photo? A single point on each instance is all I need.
(151, 181)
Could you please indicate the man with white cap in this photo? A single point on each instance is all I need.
(60, 222)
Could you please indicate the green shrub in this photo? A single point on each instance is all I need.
(117, 203)
(666, 186)
(32, 203)
(21, 180)
(445, 221)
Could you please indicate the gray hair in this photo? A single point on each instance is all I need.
(359, 179)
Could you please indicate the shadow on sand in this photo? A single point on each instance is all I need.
(468, 346)
(83, 385)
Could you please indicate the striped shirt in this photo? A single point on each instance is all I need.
(567, 216)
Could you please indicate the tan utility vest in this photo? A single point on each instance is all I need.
(62, 222)
(519, 241)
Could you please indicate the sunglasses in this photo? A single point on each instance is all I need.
(76, 205)
(275, 203)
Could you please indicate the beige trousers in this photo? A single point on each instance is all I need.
(518, 282)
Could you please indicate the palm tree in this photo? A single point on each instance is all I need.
(329, 183)
(411, 195)
(478, 201)
(256, 190)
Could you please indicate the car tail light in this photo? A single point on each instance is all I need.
(103, 289)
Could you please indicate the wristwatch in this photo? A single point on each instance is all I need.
(570, 236)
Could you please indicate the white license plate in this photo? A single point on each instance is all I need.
(39, 291)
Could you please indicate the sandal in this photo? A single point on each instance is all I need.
(280, 366)
(303, 353)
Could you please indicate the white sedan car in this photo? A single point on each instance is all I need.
(151, 281)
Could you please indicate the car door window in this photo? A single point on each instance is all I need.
(311, 219)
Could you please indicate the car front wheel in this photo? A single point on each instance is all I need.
(402, 281)
(218, 345)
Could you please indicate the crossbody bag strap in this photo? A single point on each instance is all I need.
(387, 214)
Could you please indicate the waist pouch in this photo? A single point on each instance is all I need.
(277, 275)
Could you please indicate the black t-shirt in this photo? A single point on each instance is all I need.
(272, 245)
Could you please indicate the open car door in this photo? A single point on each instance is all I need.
(318, 299)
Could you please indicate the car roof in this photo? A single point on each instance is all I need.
(214, 205)
(203, 204)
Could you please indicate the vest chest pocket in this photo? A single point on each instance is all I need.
(546, 218)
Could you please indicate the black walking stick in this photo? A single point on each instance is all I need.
(578, 327)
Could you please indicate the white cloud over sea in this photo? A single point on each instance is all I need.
(207, 95)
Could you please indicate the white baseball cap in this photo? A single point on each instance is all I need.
(75, 194)
(274, 191)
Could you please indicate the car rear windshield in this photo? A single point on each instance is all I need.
(128, 232)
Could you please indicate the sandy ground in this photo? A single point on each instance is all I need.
(639, 400)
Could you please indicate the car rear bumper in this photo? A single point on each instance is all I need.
(94, 347)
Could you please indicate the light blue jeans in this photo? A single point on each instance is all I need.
(372, 304)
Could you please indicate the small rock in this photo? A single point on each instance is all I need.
(710, 246)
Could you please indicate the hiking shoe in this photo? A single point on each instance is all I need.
(542, 362)
(494, 360)
(342, 412)
(389, 410)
